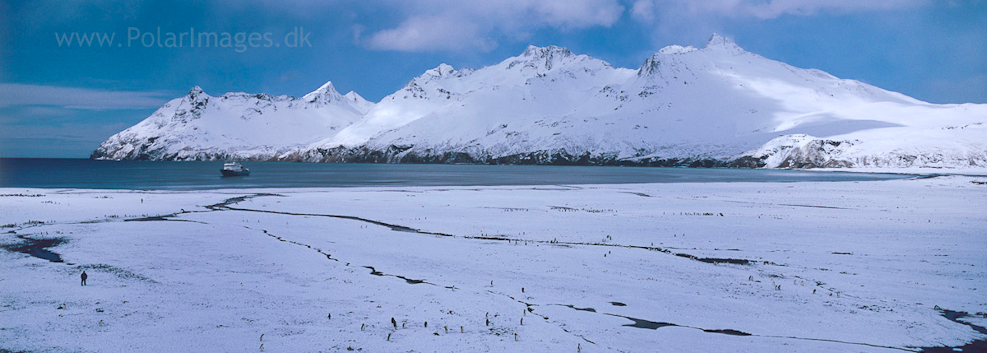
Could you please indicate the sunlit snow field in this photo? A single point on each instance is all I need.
(872, 266)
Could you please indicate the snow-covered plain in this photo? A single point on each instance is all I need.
(840, 267)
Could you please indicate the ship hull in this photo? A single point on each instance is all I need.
(230, 173)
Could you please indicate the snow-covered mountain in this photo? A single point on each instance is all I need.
(235, 126)
(715, 106)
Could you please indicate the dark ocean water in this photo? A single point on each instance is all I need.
(143, 175)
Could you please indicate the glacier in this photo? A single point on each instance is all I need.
(716, 106)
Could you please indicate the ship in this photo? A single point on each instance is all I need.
(234, 169)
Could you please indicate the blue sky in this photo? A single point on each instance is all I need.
(61, 100)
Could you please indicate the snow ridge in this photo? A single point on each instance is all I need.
(715, 106)
(324, 95)
(235, 125)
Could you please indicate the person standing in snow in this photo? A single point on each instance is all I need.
(84, 276)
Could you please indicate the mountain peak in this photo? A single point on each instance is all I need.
(651, 66)
(326, 93)
(325, 87)
(542, 58)
(351, 95)
(442, 70)
(546, 52)
(358, 102)
(676, 49)
(718, 41)
(194, 94)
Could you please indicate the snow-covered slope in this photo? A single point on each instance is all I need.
(234, 126)
(942, 136)
(715, 106)
(718, 105)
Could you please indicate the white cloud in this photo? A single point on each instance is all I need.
(572, 13)
(15, 94)
(434, 33)
(456, 25)
(643, 10)
(452, 25)
(767, 9)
